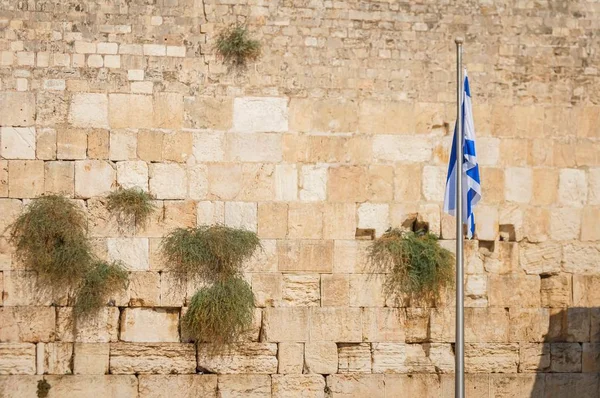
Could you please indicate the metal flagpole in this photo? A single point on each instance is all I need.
(459, 364)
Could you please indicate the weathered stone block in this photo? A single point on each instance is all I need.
(178, 386)
(383, 117)
(225, 181)
(505, 385)
(89, 110)
(347, 184)
(394, 148)
(244, 386)
(90, 358)
(572, 187)
(305, 221)
(25, 178)
(339, 221)
(102, 328)
(486, 325)
(565, 223)
(286, 324)
(518, 184)
(573, 384)
(321, 357)
(254, 147)
(98, 144)
(529, 324)
(491, 357)
(241, 215)
(157, 358)
(374, 216)
(417, 324)
(586, 290)
(144, 289)
(260, 114)
(313, 183)
(286, 182)
(130, 111)
(305, 255)
(426, 386)
(272, 220)
(123, 145)
(384, 324)
(59, 178)
(290, 358)
(336, 324)
(367, 290)
(240, 358)
(168, 110)
(90, 386)
(139, 325)
(335, 290)
(93, 178)
(306, 386)
(301, 290)
(581, 258)
(215, 113)
(354, 358)
(541, 258)
(18, 109)
(168, 181)
(23, 288)
(132, 252)
(534, 357)
(17, 142)
(27, 324)
(514, 290)
(133, 174)
(356, 386)
(17, 359)
(565, 357)
(54, 358)
(556, 291)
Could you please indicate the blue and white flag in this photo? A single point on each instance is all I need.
(471, 183)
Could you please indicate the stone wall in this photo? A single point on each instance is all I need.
(344, 123)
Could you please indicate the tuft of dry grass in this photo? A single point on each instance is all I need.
(220, 313)
(415, 264)
(102, 280)
(236, 47)
(50, 238)
(209, 252)
(131, 204)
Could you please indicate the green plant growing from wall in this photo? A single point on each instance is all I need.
(131, 204)
(416, 266)
(214, 254)
(50, 237)
(236, 47)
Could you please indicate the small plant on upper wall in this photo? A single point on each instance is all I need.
(236, 47)
(416, 266)
(131, 204)
(221, 311)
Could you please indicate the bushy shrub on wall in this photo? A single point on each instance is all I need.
(130, 205)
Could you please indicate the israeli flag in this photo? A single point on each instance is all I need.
(471, 183)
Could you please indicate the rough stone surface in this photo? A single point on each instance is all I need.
(260, 114)
(157, 358)
(260, 358)
(304, 386)
(178, 386)
(139, 325)
(17, 359)
(321, 357)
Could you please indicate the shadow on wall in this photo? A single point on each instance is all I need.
(568, 361)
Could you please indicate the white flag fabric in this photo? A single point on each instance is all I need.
(471, 183)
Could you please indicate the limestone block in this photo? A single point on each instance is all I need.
(586, 290)
(545, 186)
(130, 111)
(305, 255)
(133, 174)
(286, 182)
(139, 325)
(334, 115)
(264, 260)
(102, 223)
(25, 178)
(17, 142)
(514, 290)
(168, 110)
(210, 213)
(565, 223)
(157, 358)
(556, 291)
(383, 117)
(150, 145)
(335, 290)
(542, 258)
(581, 258)
(407, 183)
(93, 178)
(23, 288)
(415, 386)
(244, 386)
(59, 178)
(215, 113)
(89, 110)
(367, 290)
(434, 182)
(27, 324)
(394, 148)
(286, 324)
(521, 385)
(354, 358)
(168, 181)
(259, 358)
(54, 110)
(178, 386)
(347, 184)
(255, 147)
(17, 359)
(356, 386)
(305, 221)
(257, 182)
(272, 220)
(528, 324)
(304, 386)
(45, 144)
(380, 183)
(400, 358)
(144, 289)
(383, 324)
(491, 357)
(178, 214)
(89, 386)
(486, 218)
(132, 252)
(486, 325)
(476, 291)
(90, 358)
(590, 229)
(591, 358)
(374, 216)
(336, 324)
(98, 144)
(260, 114)
(300, 290)
(102, 328)
(313, 183)
(290, 358)
(514, 153)
(565, 357)
(573, 384)
(225, 181)
(54, 358)
(518, 184)
(536, 224)
(417, 324)
(17, 386)
(534, 357)
(321, 357)
(18, 109)
(241, 215)
(572, 187)
(339, 220)
(594, 186)
(123, 145)
(177, 146)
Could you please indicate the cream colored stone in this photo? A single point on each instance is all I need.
(132, 252)
(286, 324)
(168, 181)
(367, 290)
(98, 144)
(335, 290)
(383, 117)
(260, 114)
(529, 324)
(150, 145)
(590, 228)
(486, 219)
(17, 142)
(486, 325)
(374, 216)
(102, 328)
(90, 358)
(255, 358)
(27, 324)
(354, 358)
(59, 178)
(491, 357)
(210, 213)
(290, 358)
(342, 325)
(225, 181)
(241, 215)
(313, 183)
(17, 359)
(383, 324)
(565, 223)
(334, 115)
(156, 358)
(347, 184)
(130, 111)
(572, 187)
(286, 182)
(356, 386)
(305, 221)
(556, 291)
(534, 357)
(25, 178)
(394, 148)
(89, 110)
(518, 184)
(138, 325)
(123, 145)
(434, 182)
(272, 220)
(255, 147)
(300, 290)
(133, 174)
(514, 290)
(45, 144)
(178, 386)
(208, 112)
(321, 357)
(71, 144)
(305, 255)
(57, 358)
(93, 178)
(23, 288)
(339, 221)
(244, 386)
(18, 109)
(586, 292)
(581, 258)
(304, 386)
(168, 111)
(144, 289)
(542, 258)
